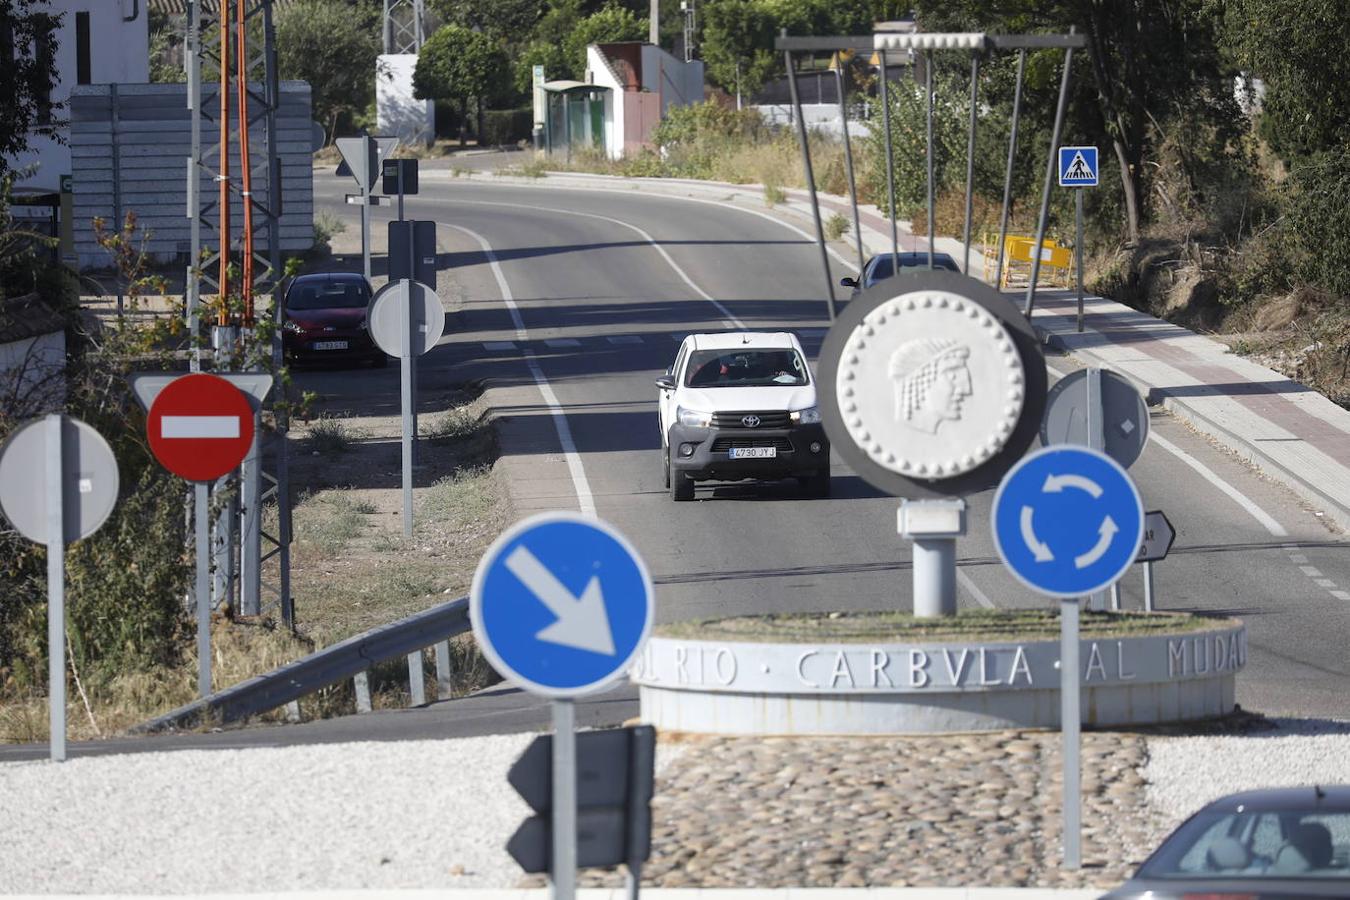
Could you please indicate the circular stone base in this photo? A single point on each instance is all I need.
(1133, 673)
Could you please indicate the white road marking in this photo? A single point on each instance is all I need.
(499, 345)
(1266, 519)
(1326, 583)
(1310, 571)
(1340, 595)
(562, 342)
(1298, 558)
(585, 500)
(172, 427)
(975, 592)
(726, 313)
(624, 339)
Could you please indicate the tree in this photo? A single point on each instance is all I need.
(612, 23)
(498, 18)
(28, 72)
(334, 48)
(1146, 61)
(459, 64)
(738, 45)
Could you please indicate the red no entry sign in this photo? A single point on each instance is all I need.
(200, 427)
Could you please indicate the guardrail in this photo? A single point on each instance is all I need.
(351, 658)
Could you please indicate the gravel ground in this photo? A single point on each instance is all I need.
(370, 815)
(436, 814)
(1185, 773)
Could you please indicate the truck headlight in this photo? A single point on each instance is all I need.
(695, 418)
(808, 416)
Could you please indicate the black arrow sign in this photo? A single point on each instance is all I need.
(602, 768)
(602, 840)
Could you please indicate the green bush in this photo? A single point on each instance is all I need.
(502, 127)
(1319, 219)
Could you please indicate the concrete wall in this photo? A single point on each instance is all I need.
(119, 51)
(819, 116)
(133, 156)
(400, 112)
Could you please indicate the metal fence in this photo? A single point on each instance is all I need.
(352, 658)
(129, 148)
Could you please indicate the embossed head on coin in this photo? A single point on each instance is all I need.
(931, 382)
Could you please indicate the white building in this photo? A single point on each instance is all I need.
(98, 42)
(638, 83)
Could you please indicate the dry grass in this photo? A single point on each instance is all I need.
(352, 570)
(239, 652)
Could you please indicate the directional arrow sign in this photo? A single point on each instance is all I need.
(1067, 521)
(561, 604)
(1158, 537)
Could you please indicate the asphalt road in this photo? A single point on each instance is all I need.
(603, 310)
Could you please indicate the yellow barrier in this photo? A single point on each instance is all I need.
(1056, 262)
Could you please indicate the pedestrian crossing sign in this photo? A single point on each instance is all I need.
(1077, 166)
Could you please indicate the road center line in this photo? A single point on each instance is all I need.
(585, 500)
(735, 322)
(1266, 519)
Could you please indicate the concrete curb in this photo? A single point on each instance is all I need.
(959, 893)
(1245, 449)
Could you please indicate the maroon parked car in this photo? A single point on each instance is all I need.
(326, 319)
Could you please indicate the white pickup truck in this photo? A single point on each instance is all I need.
(741, 405)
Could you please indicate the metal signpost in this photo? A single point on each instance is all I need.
(400, 177)
(1078, 169)
(1158, 537)
(362, 156)
(70, 501)
(406, 319)
(615, 778)
(201, 427)
(1068, 522)
(561, 605)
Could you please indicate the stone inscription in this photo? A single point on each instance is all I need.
(918, 669)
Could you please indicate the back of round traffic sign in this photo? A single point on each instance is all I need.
(88, 470)
(200, 427)
(386, 321)
(561, 604)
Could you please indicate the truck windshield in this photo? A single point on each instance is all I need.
(745, 367)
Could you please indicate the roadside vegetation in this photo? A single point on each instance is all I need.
(968, 625)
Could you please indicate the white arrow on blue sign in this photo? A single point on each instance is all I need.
(1078, 167)
(1067, 521)
(561, 604)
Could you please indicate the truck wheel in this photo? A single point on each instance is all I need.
(681, 485)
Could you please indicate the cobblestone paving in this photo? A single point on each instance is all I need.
(979, 810)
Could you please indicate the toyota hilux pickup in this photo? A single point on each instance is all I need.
(741, 405)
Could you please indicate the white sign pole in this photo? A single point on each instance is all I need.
(56, 589)
(563, 871)
(407, 359)
(201, 493)
(1070, 714)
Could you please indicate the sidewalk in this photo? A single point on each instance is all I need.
(1286, 429)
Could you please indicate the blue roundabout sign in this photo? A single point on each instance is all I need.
(1068, 521)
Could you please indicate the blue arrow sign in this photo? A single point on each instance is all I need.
(1077, 166)
(1067, 521)
(561, 604)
